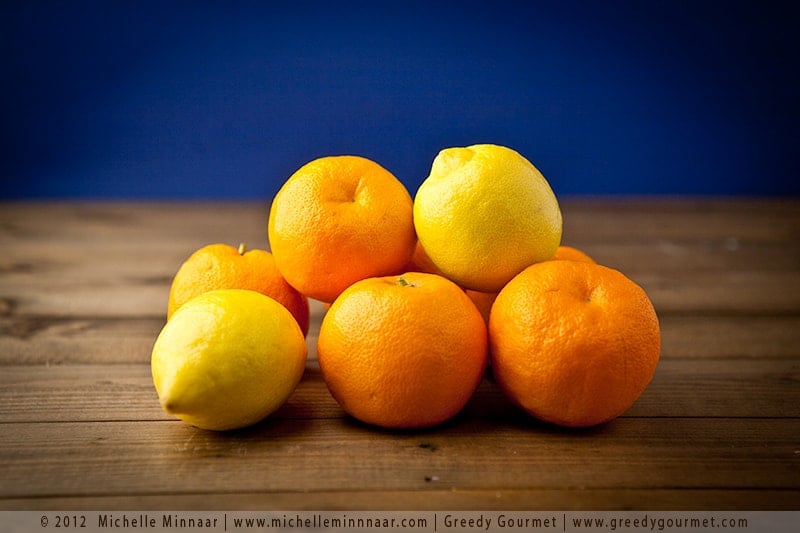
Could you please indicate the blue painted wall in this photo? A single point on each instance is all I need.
(200, 99)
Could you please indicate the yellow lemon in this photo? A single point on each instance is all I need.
(484, 214)
(227, 359)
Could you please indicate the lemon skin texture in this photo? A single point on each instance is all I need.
(227, 359)
(484, 214)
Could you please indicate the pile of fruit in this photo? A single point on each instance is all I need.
(423, 296)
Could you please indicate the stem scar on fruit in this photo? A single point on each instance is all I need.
(404, 283)
(242, 248)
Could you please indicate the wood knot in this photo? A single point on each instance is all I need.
(7, 306)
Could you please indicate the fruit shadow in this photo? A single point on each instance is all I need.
(488, 410)
(272, 427)
(490, 407)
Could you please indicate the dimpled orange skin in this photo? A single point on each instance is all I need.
(484, 300)
(337, 220)
(573, 343)
(403, 354)
(221, 266)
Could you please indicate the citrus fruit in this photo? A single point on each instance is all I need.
(227, 358)
(221, 266)
(573, 343)
(420, 262)
(483, 301)
(484, 214)
(337, 220)
(402, 351)
(570, 253)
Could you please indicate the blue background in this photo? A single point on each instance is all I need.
(192, 100)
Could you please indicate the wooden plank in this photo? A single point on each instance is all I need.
(430, 499)
(120, 393)
(721, 388)
(43, 340)
(81, 301)
(156, 261)
(116, 291)
(664, 256)
(37, 339)
(723, 292)
(172, 231)
(711, 291)
(730, 337)
(606, 219)
(117, 260)
(136, 224)
(152, 458)
(599, 219)
(686, 388)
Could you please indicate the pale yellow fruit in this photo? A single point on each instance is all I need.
(227, 359)
(484, 214)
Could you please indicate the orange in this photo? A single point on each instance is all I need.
(420, 262)
(221, 266)
(337, 220)
(483, 301)
(403, 351)
(570, 253)
(573, 343)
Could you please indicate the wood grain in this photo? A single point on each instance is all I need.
(59, 393)
(528, 499)
(117, 260)
(83, 289)
(338, 454)
(46, 340)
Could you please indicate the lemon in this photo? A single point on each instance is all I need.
(484, 214)
(227, 359)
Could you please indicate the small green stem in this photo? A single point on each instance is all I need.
(242, 248)
(404, 283)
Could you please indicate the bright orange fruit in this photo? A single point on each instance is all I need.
(221, 266)
(573, 343)
(483, 301)
(420, 262)
(337, 220)
(570, 253)
(403, 351)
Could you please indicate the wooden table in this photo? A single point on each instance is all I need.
(83, 292)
